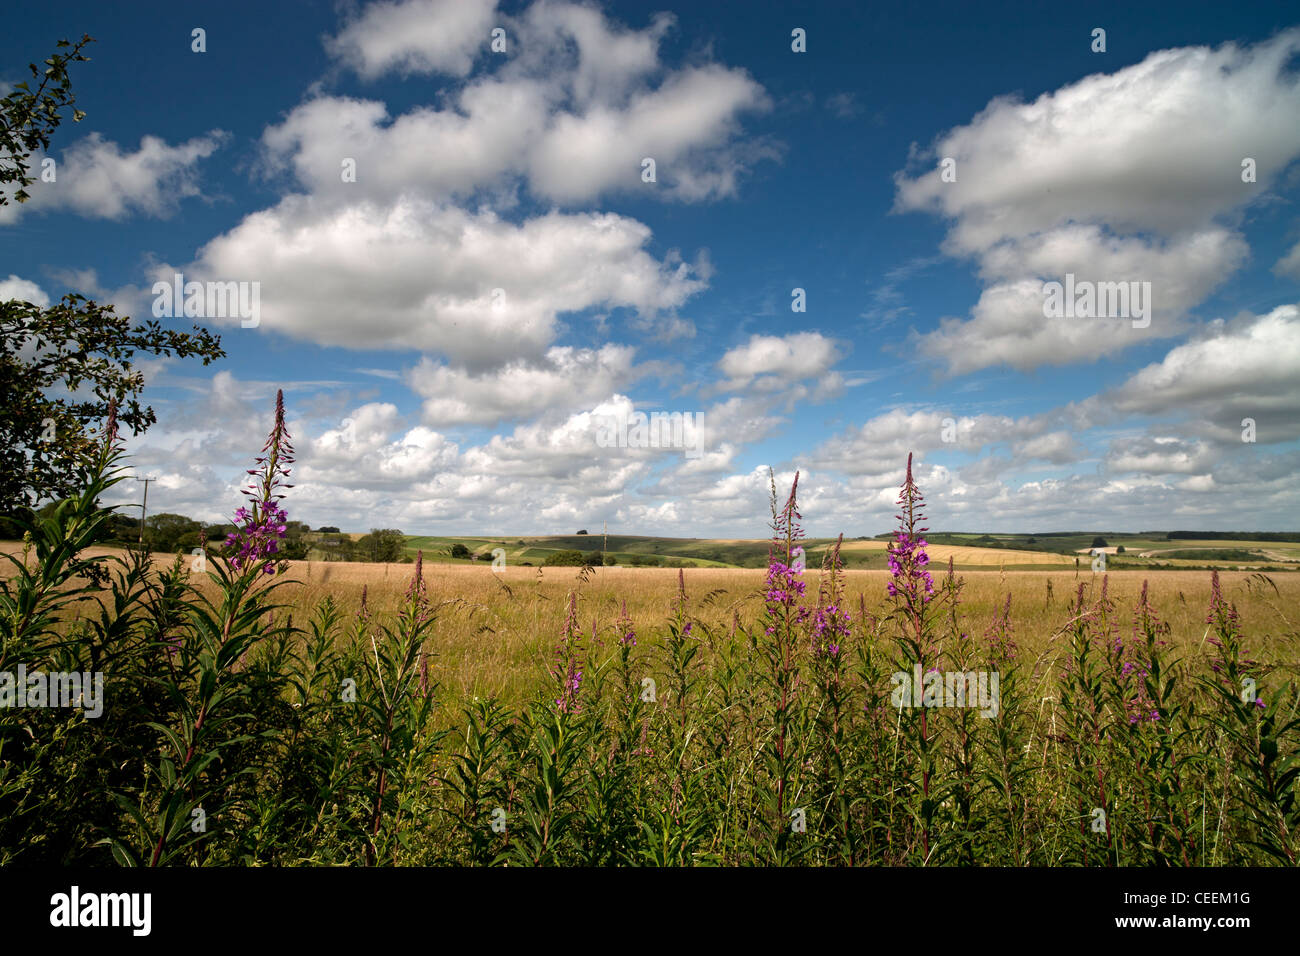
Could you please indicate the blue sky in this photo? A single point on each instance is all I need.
(421, 398)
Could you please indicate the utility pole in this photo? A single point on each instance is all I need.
(144, 507)
(604, 547)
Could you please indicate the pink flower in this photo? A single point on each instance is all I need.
(260, 527)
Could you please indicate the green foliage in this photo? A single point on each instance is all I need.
(570, 559)
(380, 545)
(45, 447)
(45, 353)
(28, 118)
(1214, 554)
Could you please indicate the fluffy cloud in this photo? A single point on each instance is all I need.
(96, 179)
(1289, 265)
(1118, 177)
(879, 445)
(1232, 369)
(1008, 326)
(1059, 448)
(417, 36)
(1158, 455)
(1155, 146)
(362, 449)
(572, 110)
(566, 378)
(769, 362)
(24, 290)
(420, 275)
(682, 126)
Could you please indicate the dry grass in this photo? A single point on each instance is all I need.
(497, 630)
(964, 554)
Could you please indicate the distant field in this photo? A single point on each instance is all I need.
(1013, 552)
(864, 554)
(498, 630)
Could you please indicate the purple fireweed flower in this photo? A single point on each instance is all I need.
(261, 526)
(565, 669)
(783, 588)
(1134, 659)
(831, 625)
(907, 558)
(627, 634)
(781, 594)
(567, 701)
(907, 554)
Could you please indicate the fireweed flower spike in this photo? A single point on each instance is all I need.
(565, 670)
(260, 527)
(832, 625)
(627, 633)
(1226, 637)
(907, 555)
(415, 590)
(912, 588)
(784, 587)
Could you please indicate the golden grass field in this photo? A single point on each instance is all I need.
(497, 630)
(990, 557)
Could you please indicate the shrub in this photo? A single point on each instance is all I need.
(567, 559)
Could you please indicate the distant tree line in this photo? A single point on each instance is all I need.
(1234, 535)
(167, 533)
(381, 545)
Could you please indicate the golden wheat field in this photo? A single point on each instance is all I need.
(497, 630)
(961, 554)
